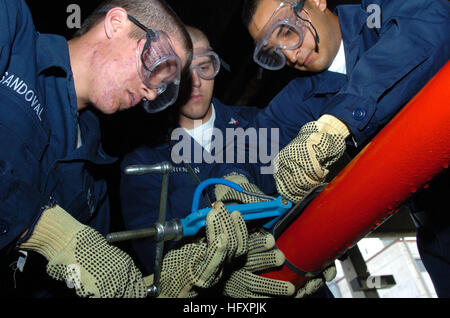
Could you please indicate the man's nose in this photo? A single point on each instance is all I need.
(291, 55)
(195, 78)
(149, 93)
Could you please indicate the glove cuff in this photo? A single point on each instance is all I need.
(336, 124)
(53, 232)
(236, 178)
(243, 182)
(224, 193)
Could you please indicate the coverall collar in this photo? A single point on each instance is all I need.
(49, 48)
(352, 20)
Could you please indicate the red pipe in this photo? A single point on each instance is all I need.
(412, 149)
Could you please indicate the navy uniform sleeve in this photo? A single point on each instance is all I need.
(412, 47)
(5, 36)
(19, 191)
(15, 18)
(276, 125)
(20, 202)
(287, 111)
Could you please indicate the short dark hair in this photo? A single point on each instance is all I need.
(154, 14)
(248, 11)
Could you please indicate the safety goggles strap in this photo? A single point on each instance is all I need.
(298, 7)
(150, 34)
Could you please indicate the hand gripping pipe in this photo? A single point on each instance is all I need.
(412, 149)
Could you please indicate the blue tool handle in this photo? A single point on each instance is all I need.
(251, 211)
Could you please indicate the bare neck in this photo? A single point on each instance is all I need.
(80, 52)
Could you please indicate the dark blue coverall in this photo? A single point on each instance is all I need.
(40, 163)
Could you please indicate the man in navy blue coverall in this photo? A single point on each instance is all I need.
(51, 157)
(365, 62)
(54, 210)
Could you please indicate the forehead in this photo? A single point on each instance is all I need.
(200, 45)
(263, 13)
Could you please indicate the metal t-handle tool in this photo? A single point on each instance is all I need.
(175, 229)
(163, 168)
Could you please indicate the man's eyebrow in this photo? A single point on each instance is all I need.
(205, 62)
(280, 30)
(204, 58)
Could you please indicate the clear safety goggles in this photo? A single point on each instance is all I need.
(206, 63)
(159, 67)
(284, 31)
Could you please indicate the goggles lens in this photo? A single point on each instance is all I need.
(167, 95)
(270, 58)
(159, 63)
(206, 64)
(285, 35)
(284, 30)
(159, 67)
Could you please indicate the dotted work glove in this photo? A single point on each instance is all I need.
(200, 264)
(313, 285)
(243, 283)
(226, 194)
(303, 162)
(83, 258)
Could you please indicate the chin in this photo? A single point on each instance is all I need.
(108, 109)
(105, 105)
(194, 115)
(195, 112)
(322, 63)
(314, 66)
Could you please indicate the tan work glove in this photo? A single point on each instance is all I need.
(243, 283)
(313, 285)
(303, 162)
(200, 264)
(82, 257)
(226, 194)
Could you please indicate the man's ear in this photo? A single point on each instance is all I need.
(116, 21)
